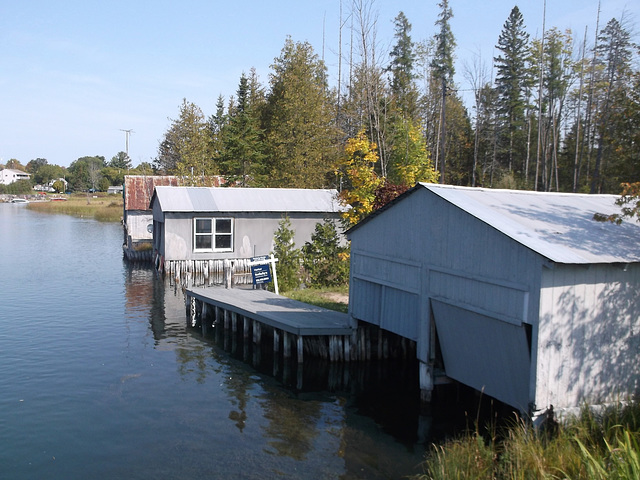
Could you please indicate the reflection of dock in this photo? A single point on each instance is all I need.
(313, 331)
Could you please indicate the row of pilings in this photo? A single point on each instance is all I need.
(206, 273)
(367, 342)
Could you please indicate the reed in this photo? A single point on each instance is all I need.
(102, 208)
(591, 446)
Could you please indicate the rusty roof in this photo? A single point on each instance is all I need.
(138, 189)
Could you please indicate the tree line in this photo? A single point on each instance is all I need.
(561, 114)
(89, 173)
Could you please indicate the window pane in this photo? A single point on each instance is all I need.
(223, 241)
(203, 225)
(203, 241)
(223, 225)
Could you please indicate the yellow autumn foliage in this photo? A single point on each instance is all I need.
(358, 166)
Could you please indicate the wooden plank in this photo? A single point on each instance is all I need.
(276, 311)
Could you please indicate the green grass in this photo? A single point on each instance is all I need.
(104, 208)
(322, 297)
(589, 447)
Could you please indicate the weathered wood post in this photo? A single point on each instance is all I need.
(300, 346)
(426, 382)
(286, 345)
(204, 322)
(228, 273)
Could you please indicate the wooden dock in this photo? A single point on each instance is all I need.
(311, 330)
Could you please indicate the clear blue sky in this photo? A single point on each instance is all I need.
(74, 74)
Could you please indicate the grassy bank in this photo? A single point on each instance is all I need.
(333, 299)
(591, 446)
(100, 206)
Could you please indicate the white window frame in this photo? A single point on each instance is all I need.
(213, 234)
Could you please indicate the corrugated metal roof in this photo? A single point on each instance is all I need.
(559, 226)
(205, 199)
(138, 189)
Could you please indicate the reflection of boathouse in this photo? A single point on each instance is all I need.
(519, 294)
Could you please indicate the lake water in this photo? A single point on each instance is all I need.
(101, 378)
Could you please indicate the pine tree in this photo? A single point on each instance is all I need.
(511, 82)
(242, 153)
(443, 71)
(324, 259)
(614, 54)
(403, 89)
(284, 249)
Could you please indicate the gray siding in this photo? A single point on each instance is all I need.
(424, 248)
(253, 234)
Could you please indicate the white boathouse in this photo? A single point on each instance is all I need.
(518, 294)
(198, 228)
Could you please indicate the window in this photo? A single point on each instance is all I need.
(213, 234)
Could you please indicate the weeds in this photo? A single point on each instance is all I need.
(591, 446)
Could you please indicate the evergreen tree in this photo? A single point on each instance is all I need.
(284, 249)
(121, 160)
(511, 82)
(403, 88)
(242, 157)
(443, 71)
(185, 148)
(214, 131)
(325, 260)
(614, 59)
(298, 120)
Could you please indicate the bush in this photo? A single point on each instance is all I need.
(288, 266)
(326, 263)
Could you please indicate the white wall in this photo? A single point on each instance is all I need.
(589, 335)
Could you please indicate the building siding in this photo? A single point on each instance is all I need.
(589, 335)
(253, 234)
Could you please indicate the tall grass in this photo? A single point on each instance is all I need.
(591, 446)
(102, 208)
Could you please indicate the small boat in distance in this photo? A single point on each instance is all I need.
(19, 200)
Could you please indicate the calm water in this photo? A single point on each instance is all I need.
(100, 378)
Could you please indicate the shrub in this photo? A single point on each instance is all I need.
(284, 249)
(326, 262)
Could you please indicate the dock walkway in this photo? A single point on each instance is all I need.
(288, 318)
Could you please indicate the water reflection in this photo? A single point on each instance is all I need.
(365, 417)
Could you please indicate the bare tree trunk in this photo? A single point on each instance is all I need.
(577, 159)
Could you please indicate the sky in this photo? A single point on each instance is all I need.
(75, 75)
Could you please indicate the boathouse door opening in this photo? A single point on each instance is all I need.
(485, 353)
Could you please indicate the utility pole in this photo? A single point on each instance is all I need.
(127, 133)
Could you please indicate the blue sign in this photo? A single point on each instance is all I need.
(261, 274)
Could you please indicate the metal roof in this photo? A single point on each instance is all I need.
(227, 199)
(138, 189)
(559, 226)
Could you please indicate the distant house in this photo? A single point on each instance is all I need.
(53, 181)
(194, 226)
(8, 176)
(518, 294)
(115, 189)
